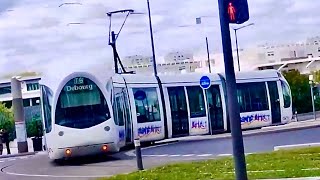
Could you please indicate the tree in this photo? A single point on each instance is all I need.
(300, 90)
(316, 79)
(7, 121)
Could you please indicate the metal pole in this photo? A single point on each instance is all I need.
(313, 106)
(138, 154)
(115, 57)
(19, 119)
(235, 32)
(208, 54)
(156, 73)
(152, 42)
(233, 108)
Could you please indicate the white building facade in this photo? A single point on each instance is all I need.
(301, 56)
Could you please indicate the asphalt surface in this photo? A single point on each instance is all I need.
(255, 143)
(39, 167)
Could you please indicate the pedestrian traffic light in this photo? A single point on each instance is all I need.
(238, 11)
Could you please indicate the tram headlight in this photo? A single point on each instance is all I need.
(68, 152)
(104, 148)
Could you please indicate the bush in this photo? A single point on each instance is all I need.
(34, 127)
(7, 121)
(300, 90)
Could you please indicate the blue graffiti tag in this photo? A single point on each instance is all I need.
(257, 117)
(199, 125)
(121, 135)
(146, 131)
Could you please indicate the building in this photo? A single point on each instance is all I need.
(137, 60)
(30, 94)
(178, 57)
(301, 56)
(303, 65)
(175, 62)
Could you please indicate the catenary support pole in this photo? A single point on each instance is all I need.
(19, 118)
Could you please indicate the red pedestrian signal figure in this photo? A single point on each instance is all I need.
(231, 12)
(237, 11)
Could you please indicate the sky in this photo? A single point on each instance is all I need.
(36, 35)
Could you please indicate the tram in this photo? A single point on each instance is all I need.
(88, 114)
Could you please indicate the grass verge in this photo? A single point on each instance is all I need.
(280, 164)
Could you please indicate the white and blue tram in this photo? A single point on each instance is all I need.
(88, 114)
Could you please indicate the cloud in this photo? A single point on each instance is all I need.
(35, 34)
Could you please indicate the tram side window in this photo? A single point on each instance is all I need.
(115, 111)
(147, 104)
(196, 101)
(46, 104)
(286, 95)
(118, 110)
(252, 97)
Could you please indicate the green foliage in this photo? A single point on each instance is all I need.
(278, 164)
(34, 127)
(316, 77)
(7, 121)
(300, 90)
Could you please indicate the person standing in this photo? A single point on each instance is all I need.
(1, 141)
(6, 140)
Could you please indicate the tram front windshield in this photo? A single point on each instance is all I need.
(81, 104)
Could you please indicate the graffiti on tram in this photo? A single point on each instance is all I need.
(255, 118)
(199, 124)
(121, 135)
(148, 131)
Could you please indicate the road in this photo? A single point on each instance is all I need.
(39, 167)
(256, 143)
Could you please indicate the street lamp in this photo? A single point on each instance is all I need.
(69, 4)
(235, 32)
(312, 95)
(198, 21)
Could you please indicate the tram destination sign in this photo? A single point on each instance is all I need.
(79, 84)
(205, 82)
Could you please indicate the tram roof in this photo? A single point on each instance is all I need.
(261, 74)
(174, 78)
(188, 78)
(134, 78)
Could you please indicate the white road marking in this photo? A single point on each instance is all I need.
(55, 176)
(222, 155)
(175, 155)
(204, 155)
(151, 155)
(1, 161)
(25, 157)
(12, 159)
(188, 155)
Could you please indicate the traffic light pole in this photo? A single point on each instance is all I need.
(208, 53)
(233, 107)
(235, 33)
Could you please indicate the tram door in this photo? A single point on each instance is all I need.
(128, 120)
(215, 108)
(179, 112)
(275, 102)
(122, 112)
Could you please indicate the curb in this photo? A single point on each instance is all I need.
(245, 133)
(17, 155)
(295, 146)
